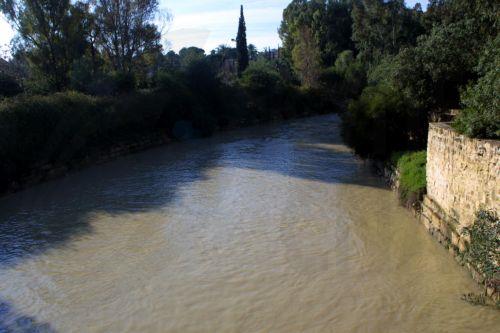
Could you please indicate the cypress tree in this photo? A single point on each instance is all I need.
(241, 44)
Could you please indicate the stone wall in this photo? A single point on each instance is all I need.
(463, 175)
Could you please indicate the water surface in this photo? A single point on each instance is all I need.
(278, 228)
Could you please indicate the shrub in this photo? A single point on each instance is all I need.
(63, 127)
(382, 121)
(124, 82)
(265, 89)
(261, 77)
(483, 251)
(9, 86)
(45, 129)
(412, 174)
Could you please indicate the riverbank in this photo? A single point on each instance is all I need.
(51, 171)
(48, 172)
(461, 181)
(427, 213)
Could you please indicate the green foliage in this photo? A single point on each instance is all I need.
(431, 73)
(189, 55)
(260, 77)
(383, 71)
(329, 23)
(126, 32)
(383, 27)
(55, 35)
(37, 130)
(483, 251)
(264, 88)
(81, 74)
(51, 32)
(124, 82)
(412, 174)
(65, 127)
(481, 115)
(306, 57)
(382, 121)
(269, 96)
(9, 86)
(346, 79)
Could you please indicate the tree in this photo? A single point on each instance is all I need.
(306, 57)
(481, 100)
(189, 55)
(225, 52)
(330, 23)
(333, 26)
(52, 35)
(252, 52)
(172, 61)
(241, 44)
(432, 73)
(383, 27)
(126, 31)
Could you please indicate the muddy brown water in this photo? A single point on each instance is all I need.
(278, 228)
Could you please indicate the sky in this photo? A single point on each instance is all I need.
(210, 23)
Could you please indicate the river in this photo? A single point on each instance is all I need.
(278, 228)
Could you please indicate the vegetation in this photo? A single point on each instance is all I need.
(483, 251)
(93, 74)
(412, 177)
(391, 69)
(241, 44)
(9, 86)
(481, 100)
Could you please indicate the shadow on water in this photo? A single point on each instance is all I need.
(49, 215)
(12, 321)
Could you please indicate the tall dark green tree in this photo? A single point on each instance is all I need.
(241, 44)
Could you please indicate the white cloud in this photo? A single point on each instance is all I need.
(177, 39)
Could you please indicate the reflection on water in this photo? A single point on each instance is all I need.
(277, 228)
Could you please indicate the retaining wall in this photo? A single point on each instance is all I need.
(462, 177)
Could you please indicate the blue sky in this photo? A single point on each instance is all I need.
(209, 23)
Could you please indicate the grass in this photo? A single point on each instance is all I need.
(412, 174)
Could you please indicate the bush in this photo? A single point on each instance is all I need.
(9, 86)
(483, 251)
(124, 82)
(261, 77)
(412, 174)
(382, 121)
(265, 89)
(63, 127)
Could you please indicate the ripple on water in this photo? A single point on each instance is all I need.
(274, 228)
